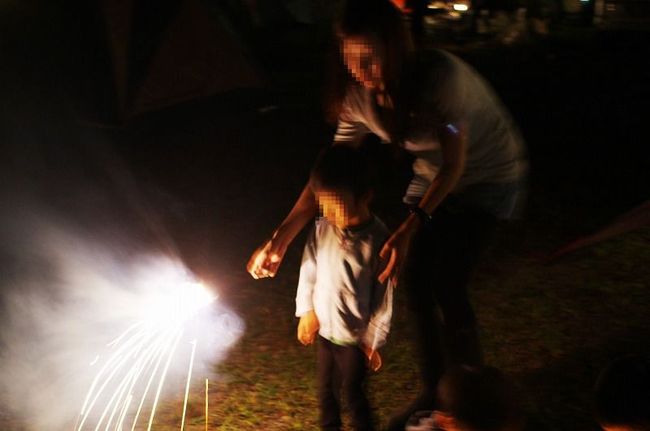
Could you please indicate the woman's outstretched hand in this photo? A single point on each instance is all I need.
(394, 250)
(266, 260)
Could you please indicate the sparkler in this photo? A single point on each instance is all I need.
(139, 360)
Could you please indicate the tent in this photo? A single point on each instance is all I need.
(170, 51)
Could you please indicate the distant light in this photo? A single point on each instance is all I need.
(436, 5)
(460, 7)
(453, 129)
(585, 1)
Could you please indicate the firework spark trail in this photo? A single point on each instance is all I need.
(149, 382)
(187, 385)
(119, 338)
(145, 362)
(134, 371)
(115, 401)
(131, 377)
(162, 379)
(141, 356)
(114, 371)
(146, 390)
(156, 348)
(168, 335)
(116, 354)
(124, 410)
(119, 390)
(206, 404)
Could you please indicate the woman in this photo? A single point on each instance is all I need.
(468, 169)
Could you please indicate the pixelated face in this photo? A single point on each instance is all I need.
(336, 206)
(363, 61)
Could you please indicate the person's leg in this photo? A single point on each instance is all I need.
(461, 238)
(328, 387)
(352, 364)
(417, 280)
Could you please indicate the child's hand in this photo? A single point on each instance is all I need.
(308, 327)
(373, 357)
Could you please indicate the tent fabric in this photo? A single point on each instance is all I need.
(175, 54)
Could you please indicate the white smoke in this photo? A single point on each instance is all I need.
(66, 297)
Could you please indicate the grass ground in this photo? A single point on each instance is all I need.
(550, 327)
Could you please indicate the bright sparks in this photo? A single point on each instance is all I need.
(133, 371)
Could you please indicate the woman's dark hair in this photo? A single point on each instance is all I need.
(383, 23)
(623, 393)
(341, 167)
(479, 398)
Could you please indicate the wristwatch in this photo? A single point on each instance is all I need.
(422, 215)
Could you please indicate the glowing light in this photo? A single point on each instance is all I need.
(437, 5)
(258, 263)
(139, 358)
(453, 129)
(177, 308)
(461, 7)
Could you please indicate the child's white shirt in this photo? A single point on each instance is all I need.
(338, 280)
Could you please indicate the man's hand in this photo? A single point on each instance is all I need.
(373, 358)
(308, 327)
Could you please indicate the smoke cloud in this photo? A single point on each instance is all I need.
(71, 284)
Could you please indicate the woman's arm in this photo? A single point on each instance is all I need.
(453, 144)
(302, 212)
(266, 260)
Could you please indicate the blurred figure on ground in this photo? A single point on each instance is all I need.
(468, 172)
(623, 395)
(339, 299)
(472, 399)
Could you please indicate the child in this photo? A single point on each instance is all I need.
(338, 294)
(623, 395)
(472, 399)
